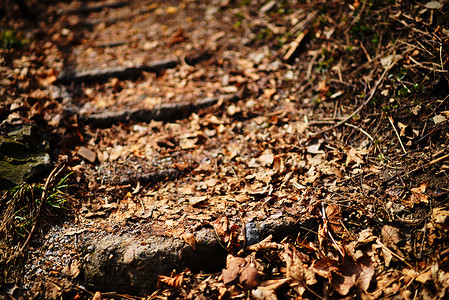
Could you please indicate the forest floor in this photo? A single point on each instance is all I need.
(309, 137)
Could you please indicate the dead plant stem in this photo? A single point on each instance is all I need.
(361, 130)
(435, 161)
(52, 175)
(397, 134)
(368, 99)
(394, 254)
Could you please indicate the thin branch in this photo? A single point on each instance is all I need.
(397, 134)
(52, 175)
(368, 99)
(361, 130)
(437, 160)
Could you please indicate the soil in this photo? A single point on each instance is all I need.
(228, 149)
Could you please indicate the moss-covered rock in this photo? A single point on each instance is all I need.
(23, 156)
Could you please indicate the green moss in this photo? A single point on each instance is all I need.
(10, 39)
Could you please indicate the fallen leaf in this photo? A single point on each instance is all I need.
(440, 218)
(233, 267)
(424, 277)
(267, 289)
(190, 239)
(365, 271)
(324, 266)
(434, 4)
(314, 147)
(267, 158)
(391, 235)
(333, 213)
(174, 281)
(299, 275)
(197, 200)
(264, 245)
(343, 280)
(439, 119)
(249, 276)
(72, 270)
(418, 195)
(354, 156)
(353, 273)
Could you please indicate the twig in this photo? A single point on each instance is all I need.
(437, 160)
(368, 99)
(312, 61)
(49, 178)
(295, 44)
(326, 223)
(423, 238)
(361, 130)
(394, 254)
(397, 134)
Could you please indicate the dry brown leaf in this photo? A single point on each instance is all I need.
(387, 255)
(333, 213)
(342, 283)
(97, 296)
(299, 275)
(440, 218)
(233, 267)
(174, 281)
(72, 270)
(267, 158)
(314, 147)
(353, 273)
(190, 239)
(267, 289)
(354, 156)
(391, 235)
(424, 277)
(197, 200)
(343, 280)
(264, 245)
(365, 272)
(249, 276)
(324, 266)
(418, 195)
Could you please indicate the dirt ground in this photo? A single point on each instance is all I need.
(266, 149)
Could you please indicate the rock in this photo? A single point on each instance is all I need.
(131, 263)
(251, 234)
(87, 154)
(23, 156)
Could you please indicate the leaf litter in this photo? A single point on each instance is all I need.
(327, 126)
